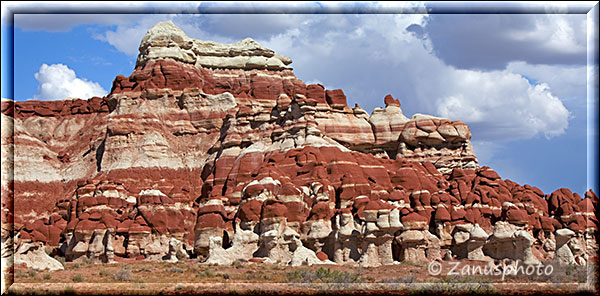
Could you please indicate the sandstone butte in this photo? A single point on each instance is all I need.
(218, 152)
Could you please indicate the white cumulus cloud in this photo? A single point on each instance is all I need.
(502, 104)
(492, 41)
(369, 56)
(379, 53)
(57, 82)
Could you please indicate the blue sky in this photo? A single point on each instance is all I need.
(518, 80)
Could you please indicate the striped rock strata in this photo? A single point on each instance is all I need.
(217, 151)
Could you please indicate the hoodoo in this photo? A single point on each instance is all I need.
(218, 152)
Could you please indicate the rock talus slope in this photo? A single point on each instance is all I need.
(218, 151)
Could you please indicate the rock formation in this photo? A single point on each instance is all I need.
(218, 152)
(34, 256)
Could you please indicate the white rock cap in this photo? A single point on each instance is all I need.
(166, 41)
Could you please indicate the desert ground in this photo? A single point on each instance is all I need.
(191, 277)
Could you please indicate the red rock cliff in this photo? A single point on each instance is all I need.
(211, 148)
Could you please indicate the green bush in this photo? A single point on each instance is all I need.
(47, 276)
(103, 272)
(32, 273)
(78, 278)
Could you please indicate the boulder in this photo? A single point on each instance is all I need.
(33, 255)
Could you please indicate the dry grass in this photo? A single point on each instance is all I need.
(322, 275)
(123, 275)
(78, 278)
(143, 276)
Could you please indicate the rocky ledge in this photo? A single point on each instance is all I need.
(217, 151)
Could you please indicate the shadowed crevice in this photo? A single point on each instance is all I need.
(99, 155)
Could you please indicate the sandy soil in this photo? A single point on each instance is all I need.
(191, 277)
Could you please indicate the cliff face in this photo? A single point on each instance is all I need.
(219, 151)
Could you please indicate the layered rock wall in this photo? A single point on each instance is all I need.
(219, 152)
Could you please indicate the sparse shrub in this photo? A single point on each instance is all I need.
(451, 285)
(251, 276)
(103, 272)
(75, 265)
(322, 275)
(176, 270)
(78, 278)
(237, 264)
(567, 274)
(226, 276)
(88, 260)
(47, 276)
(20, 273)
(206, 273)
(61, 259)
(123, 275)
(399, 280)
(411, 263)
(144, 269)
(69, 291)
(32, 273)
(560, 274)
